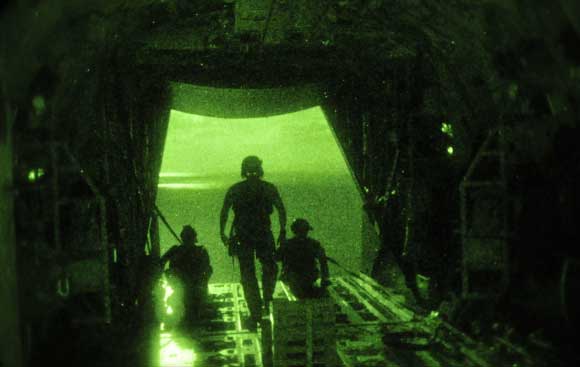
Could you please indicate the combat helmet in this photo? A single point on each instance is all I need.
(188, 234)
(252, 166)
(300, 225)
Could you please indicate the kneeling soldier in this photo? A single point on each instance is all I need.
(299, 256)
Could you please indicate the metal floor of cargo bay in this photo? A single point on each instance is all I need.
(360, 324)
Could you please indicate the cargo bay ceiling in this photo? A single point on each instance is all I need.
(449, 58)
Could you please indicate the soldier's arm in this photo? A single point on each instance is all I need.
(224, 216)
(279, 205)
(166, 257)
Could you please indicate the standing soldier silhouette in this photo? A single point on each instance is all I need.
(252, 201)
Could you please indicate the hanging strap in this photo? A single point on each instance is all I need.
(166, 223)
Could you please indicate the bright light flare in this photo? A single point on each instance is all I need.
(447, 129)
(172, 354)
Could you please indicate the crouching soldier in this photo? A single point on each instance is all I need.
(189, 264)
(299, 256)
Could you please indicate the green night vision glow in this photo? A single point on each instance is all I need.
(174, 350)
(35, 174)
(173, 353)
(301, 156)
(513, 90)
(447, 129)
(168, 292)
(450, 150)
